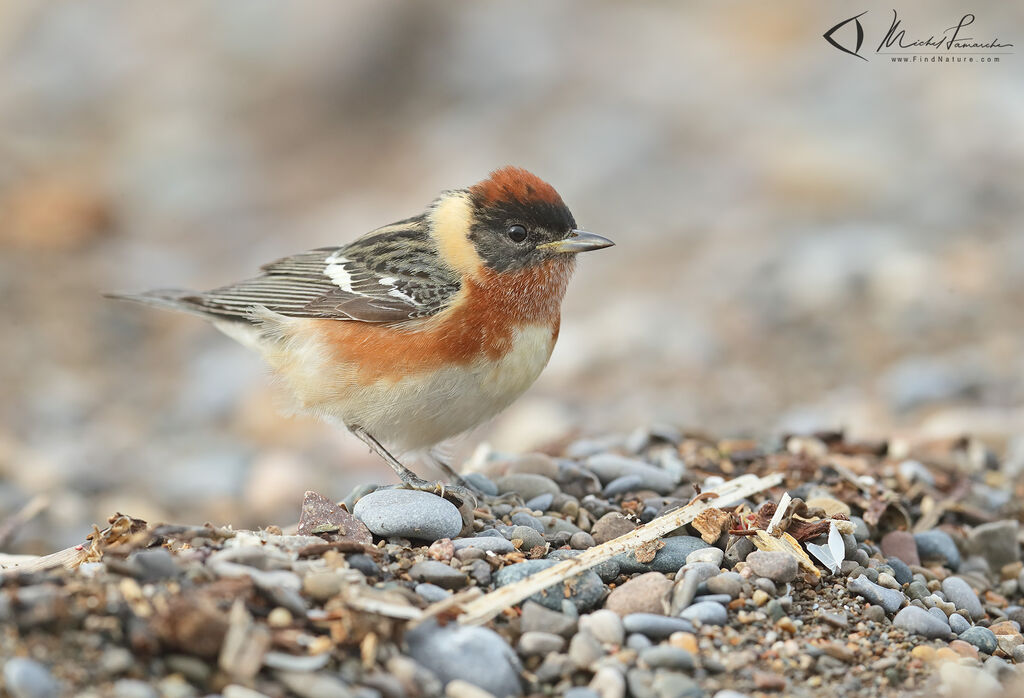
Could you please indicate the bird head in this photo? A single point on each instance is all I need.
(510, 221)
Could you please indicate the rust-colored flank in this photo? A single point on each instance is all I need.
(480, 324)
(514, 184)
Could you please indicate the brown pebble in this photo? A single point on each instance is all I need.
(964, 649)
(766, 681)
(901, 544)
(611, 526)
(644, 593)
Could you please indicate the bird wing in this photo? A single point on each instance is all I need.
(391, 275)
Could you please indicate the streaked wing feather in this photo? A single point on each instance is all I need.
(390, 275)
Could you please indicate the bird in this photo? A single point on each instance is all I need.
(417, 331)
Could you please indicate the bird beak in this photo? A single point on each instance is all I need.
(577, 241)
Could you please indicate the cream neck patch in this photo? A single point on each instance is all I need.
(450, 222)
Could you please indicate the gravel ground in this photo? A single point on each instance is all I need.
(913, 588)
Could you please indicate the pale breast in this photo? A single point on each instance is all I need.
(422, 409)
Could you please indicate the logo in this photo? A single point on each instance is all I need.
(860, 35)
(954, 44)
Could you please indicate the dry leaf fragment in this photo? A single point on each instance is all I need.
(646, 552)
(711, 523)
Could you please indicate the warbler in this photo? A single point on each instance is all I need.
(417, 331)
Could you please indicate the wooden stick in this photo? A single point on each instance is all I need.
(489, 605)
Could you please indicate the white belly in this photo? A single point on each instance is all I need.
(422, 410)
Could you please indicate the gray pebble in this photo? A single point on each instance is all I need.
(688, 580)
(937, 545)
(477, 655)
(531, 538)
(963, 597)
(637, 642)
(889, 599)
(608, 467)
(604, 625)
(537, 642)
(668, 559)
(712, 555)
(918, 590)
(521, 518)
(582, 541)
(667, 657)
(133, 688)
(874, 613)
(919, 621)
(937, 612)
(707, 612)
(482, 483)
(153, 565)
(27, 678)
(655, 626)
(737, 550)
(730, 583)
(434, 572)
(540, 618)
(541, 502)
(620, 485)
(494, 544)
(775, 565)
(432, 592)
(888, 581)
(774, 609)
(900, 570)
(586, 588)
(958, 623)
(673, 684)
(527, 485)
(982, 638)
(408, 514)
(581, 692)
(584, 650)
(860, 529)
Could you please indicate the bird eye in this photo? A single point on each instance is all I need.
(517, 233)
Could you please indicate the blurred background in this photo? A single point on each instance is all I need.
(805, 240)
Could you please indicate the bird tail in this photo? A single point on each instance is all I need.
(168, 299)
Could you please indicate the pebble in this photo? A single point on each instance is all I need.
(604, 625)
(668, 559)
(667, 657)
(645, 593)
(438, 573)
(432, 592)
(960, 680)
(133, 688)
(960, 593)
(730, 583)
(874, 613)
(900, 570)
(774, 565)
(707, 612)
(473, 654)
(318, 685)
(902, 546)
(27, 678)
(888, 599)
(982, 638)
(621, 485)
(541, 502)
(530, 538)
(581, 692)
(586, 588)
(584, 650)
(536, 617)
(996, 542)
(521, 518)
(937, 546)
(611, 526)
(494, 544)
(527, 485)
(655, 626)
(538, 642)
(482, 483)
(408, 514)
(687, 582)
(608, 467)
(608, 682)
(888, 581)
(919, 621)
(712, 555)
(581, 540)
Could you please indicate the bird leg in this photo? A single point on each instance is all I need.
(409, 478)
